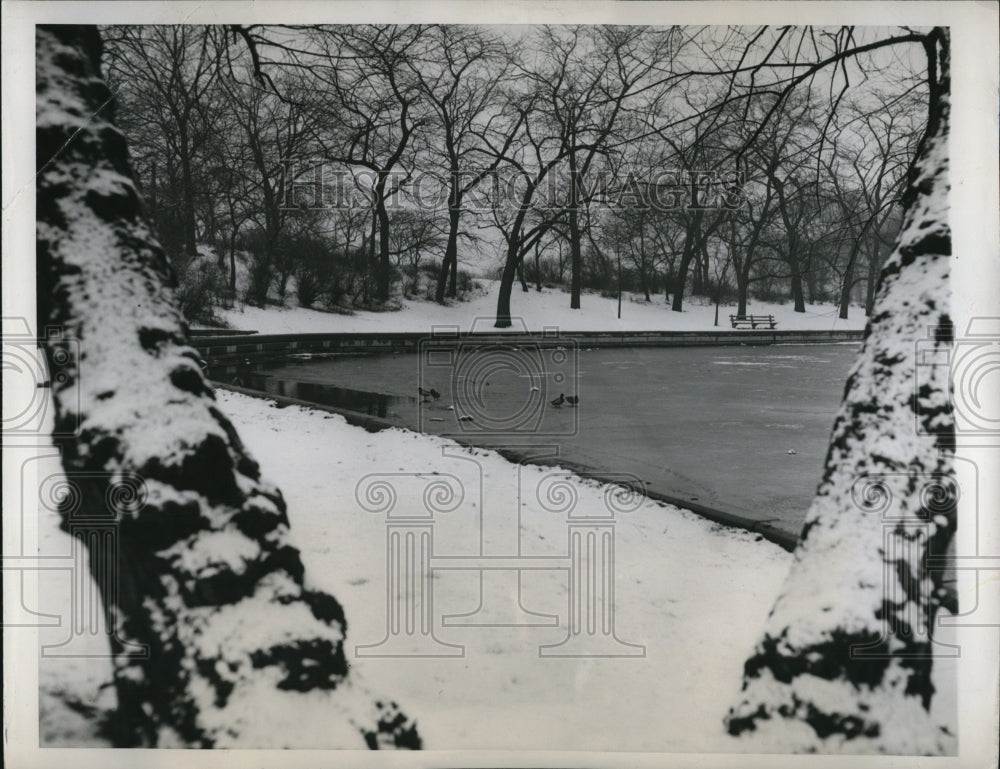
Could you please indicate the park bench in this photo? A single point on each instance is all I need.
(752, 321)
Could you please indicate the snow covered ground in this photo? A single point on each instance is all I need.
(695, 594)
(548, 308)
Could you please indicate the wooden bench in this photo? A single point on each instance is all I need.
(752, 321)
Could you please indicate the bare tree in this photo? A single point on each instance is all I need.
(366, 102)
(795, 186)
(461, 81)
(532, 156)
(169, 70)
(273, 132)
(413, 233)
(588, 85)
(875, 177)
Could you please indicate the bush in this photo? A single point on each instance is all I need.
(431, 268)
(729, 292)
(770, 293)
(202, 286)
(340, 286)
(307, 288)
(314, 269)
(548, 267)
(465, 286)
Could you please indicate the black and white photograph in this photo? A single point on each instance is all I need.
(568, 384)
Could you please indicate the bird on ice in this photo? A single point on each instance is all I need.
(572, 400)
(431, 393)
(559, 401)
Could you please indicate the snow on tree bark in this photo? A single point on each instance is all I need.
(240, 650)
(845, 661)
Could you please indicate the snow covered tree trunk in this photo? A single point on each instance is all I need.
(845, 662)
(240, 650)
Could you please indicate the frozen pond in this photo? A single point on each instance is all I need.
(740, 429)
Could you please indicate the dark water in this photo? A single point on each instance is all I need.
(714, 425)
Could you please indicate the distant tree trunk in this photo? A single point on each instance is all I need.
(575, 249)
(210, 584)
(232, 261)
(690, 246)
(644, 281)
(812, 284)
(798, 299)
(449, 266)
(698, 273)
(151, 200)
(284, 259)
(187, 195)
(538, 265)
(453, 279)
(680, 278)
(506, 286)
(575, 261)
(511, 263)
(169, 226)
(792, 242)
(872, 282)
(742, 287)
(372, 270)
(643, 265)
(382, 270)
(847, 651)
(848, 284)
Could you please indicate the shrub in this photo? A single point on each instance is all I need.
(201, 288)
(465, 285)
(431, 268)
(314, 268)
(307, 288)
(340, 286)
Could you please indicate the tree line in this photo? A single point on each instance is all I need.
(357, 162)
